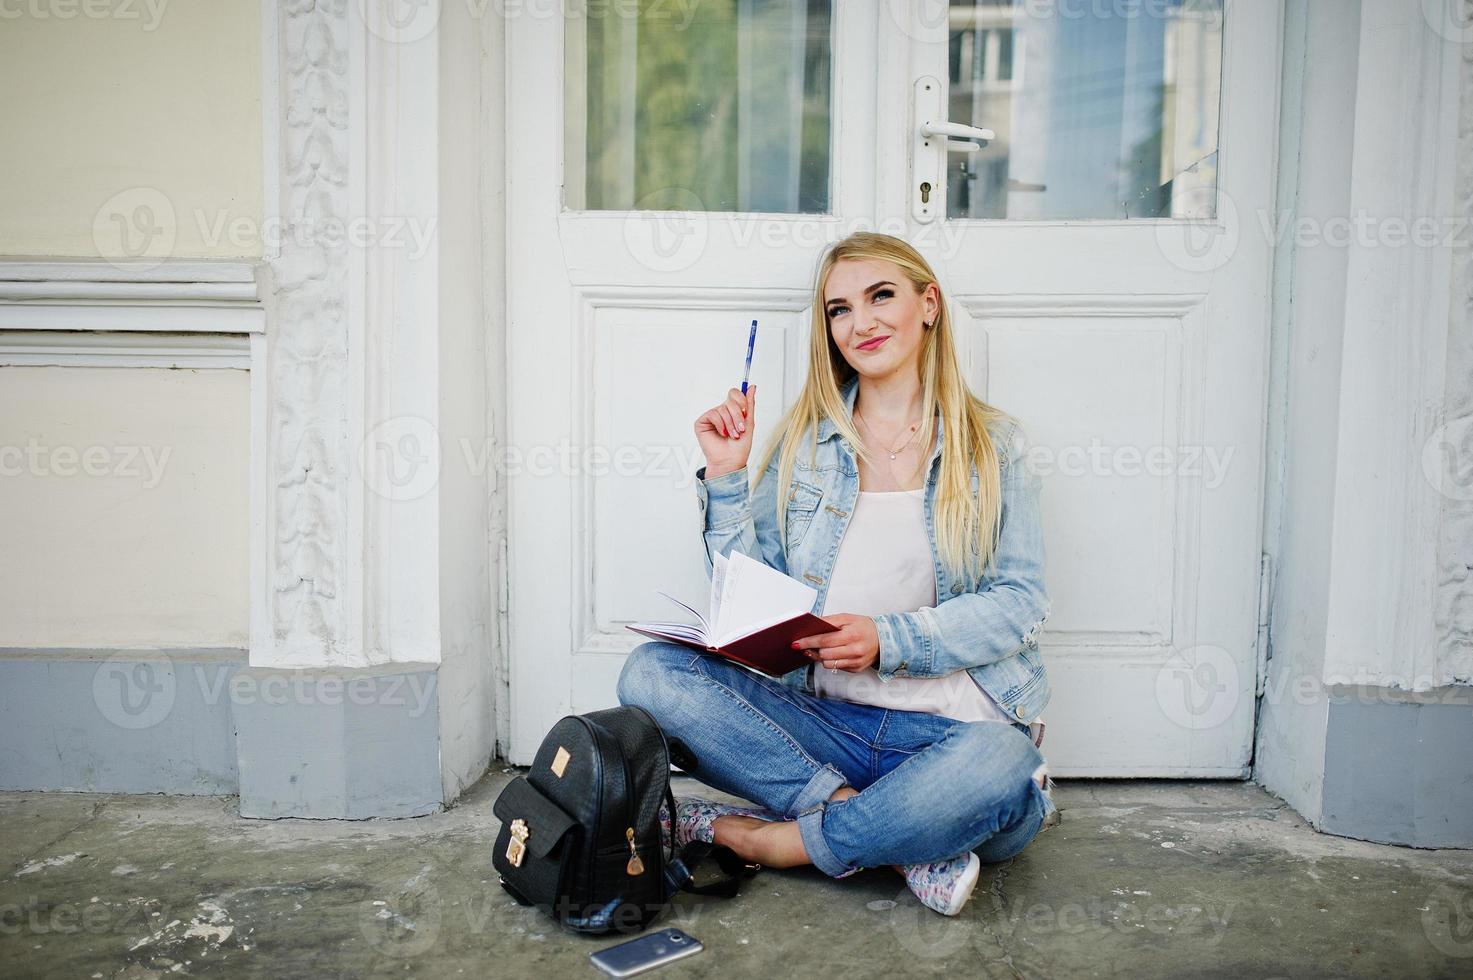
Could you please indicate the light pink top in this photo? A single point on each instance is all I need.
(884, 565)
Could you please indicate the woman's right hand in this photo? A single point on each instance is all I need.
(725, 432)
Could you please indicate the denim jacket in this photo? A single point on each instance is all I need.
(987, 627)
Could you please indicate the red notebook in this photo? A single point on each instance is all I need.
(755, 614)
(768, 650)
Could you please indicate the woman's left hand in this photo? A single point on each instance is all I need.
(854, 646)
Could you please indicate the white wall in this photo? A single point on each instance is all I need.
(1371, 574)
(126, 525)
(1317, 129)
(471, 393)
(104, 115)
(1454, 602)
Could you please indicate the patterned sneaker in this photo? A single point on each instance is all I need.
(1045, 783)
(945, 886)
(695, 817)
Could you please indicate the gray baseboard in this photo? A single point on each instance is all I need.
(347, 744)
(102, 721)
(1398, 769)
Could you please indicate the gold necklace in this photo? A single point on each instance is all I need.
(914, 430)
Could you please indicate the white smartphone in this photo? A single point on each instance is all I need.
(646, 952)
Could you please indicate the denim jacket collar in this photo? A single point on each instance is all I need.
(827, 430)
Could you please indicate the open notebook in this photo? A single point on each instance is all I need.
(753, 616)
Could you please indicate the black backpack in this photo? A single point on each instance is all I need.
(580, 832)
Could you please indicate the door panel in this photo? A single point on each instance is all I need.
(1122, 315)
(1117, 306)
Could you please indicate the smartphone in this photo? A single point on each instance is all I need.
(646, 953)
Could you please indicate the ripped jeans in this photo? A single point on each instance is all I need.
(929, 787)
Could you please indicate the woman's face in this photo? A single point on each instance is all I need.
(875, 316)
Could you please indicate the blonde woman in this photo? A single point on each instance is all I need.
(912, 738)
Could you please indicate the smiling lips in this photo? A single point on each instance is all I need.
(873, 343)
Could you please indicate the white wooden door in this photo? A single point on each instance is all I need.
(668, 182)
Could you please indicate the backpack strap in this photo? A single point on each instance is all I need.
(680, 869)
(680, 872)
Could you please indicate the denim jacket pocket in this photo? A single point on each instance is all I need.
(802, 505)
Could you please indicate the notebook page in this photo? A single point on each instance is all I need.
(705, 627)
(754, 595)
(718, 579)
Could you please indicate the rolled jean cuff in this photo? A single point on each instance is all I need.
(810, 806)
(818, 790)
(810, 825)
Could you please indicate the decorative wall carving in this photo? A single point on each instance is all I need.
(308, 335)
(1453, 609)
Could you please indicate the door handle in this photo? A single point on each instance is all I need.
(958, 131)
(933, 136)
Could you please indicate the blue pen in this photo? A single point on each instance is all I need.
(751, 343)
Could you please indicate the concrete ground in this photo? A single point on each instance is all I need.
(1142, 879)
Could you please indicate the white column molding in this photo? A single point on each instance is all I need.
(1385, 582)
(349, 576)
(1451, 450)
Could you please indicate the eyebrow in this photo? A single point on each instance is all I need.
(867, 291)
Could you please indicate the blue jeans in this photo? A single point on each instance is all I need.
(929, 787)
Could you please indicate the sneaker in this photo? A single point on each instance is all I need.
(694, 818)
(1045, 783)
(944, 886)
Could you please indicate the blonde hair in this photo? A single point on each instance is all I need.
(967, 525)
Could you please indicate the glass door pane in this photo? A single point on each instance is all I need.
(1100, 110)
(721, 105)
